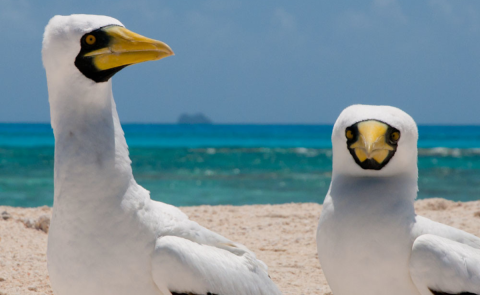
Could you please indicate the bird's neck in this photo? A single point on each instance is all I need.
(377, 195)
(91, 155)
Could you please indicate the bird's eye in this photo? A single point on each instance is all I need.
(395, 136)
(90, 39)
(349, 134)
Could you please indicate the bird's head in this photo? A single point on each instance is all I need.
(95, 47)
(374, 141)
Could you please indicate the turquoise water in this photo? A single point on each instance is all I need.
(235, 164)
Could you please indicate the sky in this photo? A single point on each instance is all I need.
(265, 62)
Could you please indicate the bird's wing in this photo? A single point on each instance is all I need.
(191, 259)
(182, 226)
(426, 226)
(182, 266)
(441, 266)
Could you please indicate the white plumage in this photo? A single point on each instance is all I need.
(369, 239)
(107, 236)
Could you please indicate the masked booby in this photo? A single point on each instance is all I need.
(369, 239)
(107, 236)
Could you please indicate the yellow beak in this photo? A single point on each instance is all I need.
(372, 142)
(127, 48)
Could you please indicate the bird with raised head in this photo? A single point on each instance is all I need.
(107, 236)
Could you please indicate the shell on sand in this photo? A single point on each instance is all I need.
(283, 236)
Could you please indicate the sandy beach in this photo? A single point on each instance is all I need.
(283, 236)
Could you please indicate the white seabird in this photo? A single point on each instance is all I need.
(369, 239)
(107, 236)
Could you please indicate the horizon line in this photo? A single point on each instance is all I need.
(246, 124)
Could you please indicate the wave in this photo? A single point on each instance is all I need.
(308, 152)
(449, 152)
(313, 152)
(298, 151)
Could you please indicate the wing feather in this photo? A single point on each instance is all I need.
(444, 266)
(180, 265)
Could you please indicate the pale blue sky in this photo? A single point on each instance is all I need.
(267, 61)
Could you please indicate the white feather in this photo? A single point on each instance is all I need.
(368, 226)
(444, 265)
(107, 236)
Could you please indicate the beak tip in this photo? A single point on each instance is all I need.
(168, 50)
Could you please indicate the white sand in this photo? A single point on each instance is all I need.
(283, 236)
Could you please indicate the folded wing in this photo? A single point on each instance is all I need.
(183, 266)
(442, 266)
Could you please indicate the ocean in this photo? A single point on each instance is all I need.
(187, 165)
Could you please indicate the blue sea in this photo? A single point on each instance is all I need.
(235, 164)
